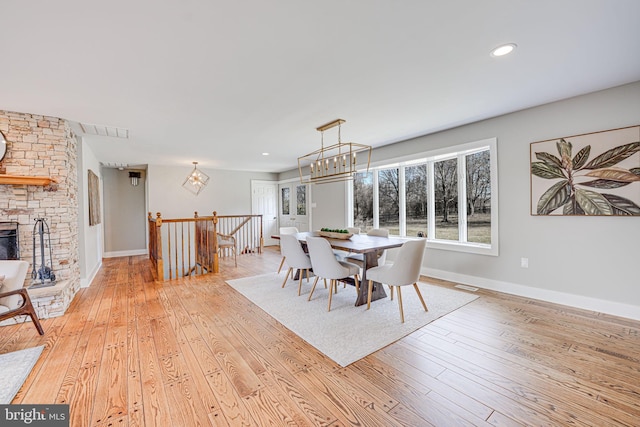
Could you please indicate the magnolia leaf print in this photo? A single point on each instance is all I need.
(614, 156)
(554, 197)
(576, 183)
(593, 203)
(621, 205)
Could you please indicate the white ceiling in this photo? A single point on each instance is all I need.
(220, 82)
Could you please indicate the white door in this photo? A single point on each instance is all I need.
(264, 201)
(293, 202)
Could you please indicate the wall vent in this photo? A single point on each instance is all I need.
(102, 130)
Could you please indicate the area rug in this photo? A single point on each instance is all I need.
(14, 370)
(346, 333)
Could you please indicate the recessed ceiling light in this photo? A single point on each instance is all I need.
(503, 49)
(265, 154)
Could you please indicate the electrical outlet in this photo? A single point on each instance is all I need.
(524, 262)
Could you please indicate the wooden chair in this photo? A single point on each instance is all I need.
(14, 298)
(358, 259)
(286, 230)
(296, 258)
(326, 265)
(227, 242)
(404, 271)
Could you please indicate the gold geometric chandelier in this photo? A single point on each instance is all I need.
(336, 162)
(196, 180)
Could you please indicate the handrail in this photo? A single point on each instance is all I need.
(186, 246)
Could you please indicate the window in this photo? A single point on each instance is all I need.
(448, 196)
(389, 200)
(286, 198)
(415, 182)
(363, 201)
(301, 200)
(445, 190)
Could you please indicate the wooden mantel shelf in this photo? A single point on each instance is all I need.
(25, 180)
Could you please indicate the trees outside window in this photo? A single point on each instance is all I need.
(389, 200)
(446, 197)
(363, 200)
(415, 178)
(445, 177)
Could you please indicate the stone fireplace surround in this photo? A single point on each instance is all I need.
(42, 146)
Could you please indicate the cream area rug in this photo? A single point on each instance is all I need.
(14, 370)
(346, 333)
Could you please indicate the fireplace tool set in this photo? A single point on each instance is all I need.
(42, 273)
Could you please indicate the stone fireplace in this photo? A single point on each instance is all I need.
(41, 146)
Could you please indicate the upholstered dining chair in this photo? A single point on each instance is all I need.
(340, 254)
(326, 265)
(14, 298)
(382, 255)
(404, 271)
(295, 257)
(286, 230)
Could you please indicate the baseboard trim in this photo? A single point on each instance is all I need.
(117, 254)
(587, 303)
(86, 282)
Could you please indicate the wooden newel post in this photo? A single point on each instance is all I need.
(158, 243)
(216, 261)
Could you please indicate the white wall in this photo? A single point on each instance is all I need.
(90, 238)
(588, 262)
(228, 192)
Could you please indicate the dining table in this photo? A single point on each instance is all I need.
(369, 247)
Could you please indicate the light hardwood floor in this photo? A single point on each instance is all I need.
(132, 352)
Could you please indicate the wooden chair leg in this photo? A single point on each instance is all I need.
(369, 294)
(34, 317)
(325, 283)
(391, 292)
(332, 284)
(313, 288)
(415, 286)
(281, 264)
(400, 305)
(300, 272)
(355, 277)
(287, 276)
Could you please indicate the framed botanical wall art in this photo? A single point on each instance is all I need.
(94, 199)
(590, 174)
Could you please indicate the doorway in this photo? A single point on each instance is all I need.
(264, 201)
(293, 205)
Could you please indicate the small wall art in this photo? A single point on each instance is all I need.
(590, 174)
(94, 199)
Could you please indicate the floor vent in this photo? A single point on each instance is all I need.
(466, 288)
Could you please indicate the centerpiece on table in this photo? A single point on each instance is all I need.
(335, 233)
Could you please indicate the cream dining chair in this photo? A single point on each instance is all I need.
(404, 271)
(295, 257)
(286, 230)
(326, 265)
(382, 255)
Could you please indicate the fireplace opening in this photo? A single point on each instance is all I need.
(9, 241)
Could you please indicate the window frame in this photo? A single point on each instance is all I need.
(429, 158)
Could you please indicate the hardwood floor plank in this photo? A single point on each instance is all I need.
(231, 404)
(193, 351)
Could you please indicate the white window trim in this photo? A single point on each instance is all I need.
(429, 157)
